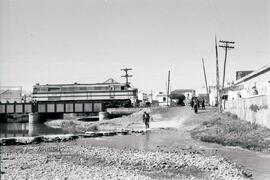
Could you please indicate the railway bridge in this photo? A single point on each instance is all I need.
(55, 100)
(38, 111)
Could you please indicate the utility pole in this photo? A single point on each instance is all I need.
(217, 76)
(151, 96)
(126, 75)
(168, 89)
(205, 79)
(226, 46)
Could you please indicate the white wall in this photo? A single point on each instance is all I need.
(255, 109)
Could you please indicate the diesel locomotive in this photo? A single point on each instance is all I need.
(110, 93)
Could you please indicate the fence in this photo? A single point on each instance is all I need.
(254, 109)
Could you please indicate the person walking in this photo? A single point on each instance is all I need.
(195, 105)
(203, 103)
(192, 103)
(146, 119)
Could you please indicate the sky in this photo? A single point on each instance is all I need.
(89, 41)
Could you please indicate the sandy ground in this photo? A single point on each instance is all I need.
(131, 122)
(92, 159)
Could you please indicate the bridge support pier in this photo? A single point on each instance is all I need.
(33, 118)
(103, 116)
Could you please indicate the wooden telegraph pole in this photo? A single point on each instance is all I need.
(226, 46)
(126, 75)
(217, 77)
(168, 88)
(205, 79)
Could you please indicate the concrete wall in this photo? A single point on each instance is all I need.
(255, 109)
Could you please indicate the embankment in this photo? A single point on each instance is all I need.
(130, 122)
(227, 129)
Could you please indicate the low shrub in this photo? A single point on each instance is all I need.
(228, 130)
(234, 116)
(93, 128)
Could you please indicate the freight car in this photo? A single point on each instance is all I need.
(110, 93)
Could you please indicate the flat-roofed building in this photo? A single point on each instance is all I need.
(11, 94)
(255, 83)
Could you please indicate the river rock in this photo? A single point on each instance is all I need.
(7, 141)
(57, 138)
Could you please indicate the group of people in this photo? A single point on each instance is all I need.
(195, 103)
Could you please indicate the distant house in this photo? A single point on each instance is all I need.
(189, 93)
(145, 97)
(162, 99)
(142, 96)
(11, 94)
(255, 83)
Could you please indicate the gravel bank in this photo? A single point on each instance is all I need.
(37, 139)
(77, 160)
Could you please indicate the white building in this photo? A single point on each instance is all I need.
(142, 96)
(249, 97)
(162, 99)
(255, 83)
(11, 94)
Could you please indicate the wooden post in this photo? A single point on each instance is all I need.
(168, 88)
(217, 76)
(205, 79)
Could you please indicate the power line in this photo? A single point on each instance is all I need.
(254, 51)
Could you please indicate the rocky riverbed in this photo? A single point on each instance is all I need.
(166, 151)
(80, 160)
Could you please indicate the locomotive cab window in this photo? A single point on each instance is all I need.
(53, 89)
(43, 89)
(122, 87)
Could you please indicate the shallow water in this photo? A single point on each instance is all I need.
(173, 140)
(157, 139)
(26, 129)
